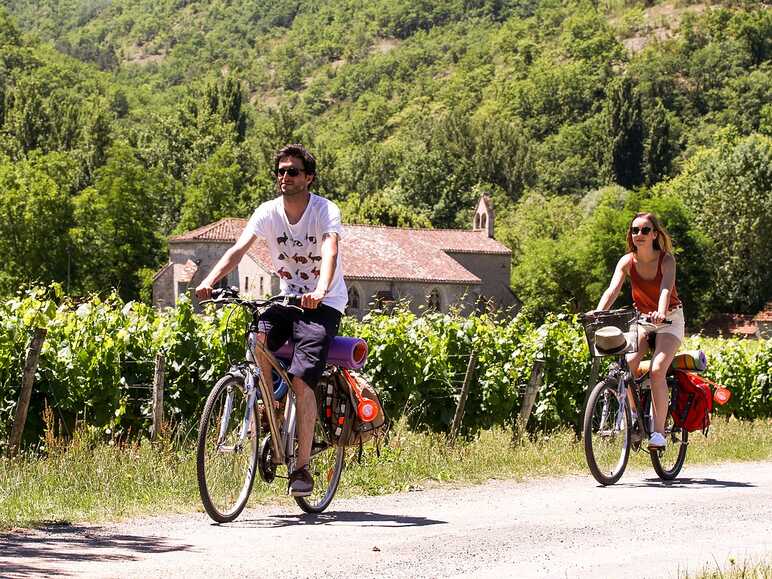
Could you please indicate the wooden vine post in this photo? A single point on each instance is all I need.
(158, 395)
(526, 406)
(459, 415)
(27, 379)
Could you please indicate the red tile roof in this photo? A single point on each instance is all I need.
(227, 229)
(737, 325)
(379, 253)
(765, 315)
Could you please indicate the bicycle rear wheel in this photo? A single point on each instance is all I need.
(669, 461)
(326, 466)
(225, 461)
(606, 433)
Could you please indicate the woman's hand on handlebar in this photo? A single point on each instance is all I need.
(651, 321)
(656, 318)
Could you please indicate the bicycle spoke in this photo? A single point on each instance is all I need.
(606, 436)
(227, 450)
(325, 466)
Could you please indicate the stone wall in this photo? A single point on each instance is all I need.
(416, 294)
(495, 271)
(163, 288)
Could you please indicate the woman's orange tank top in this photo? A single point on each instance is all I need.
(646, 291)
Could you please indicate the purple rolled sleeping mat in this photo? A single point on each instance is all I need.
(344, 351)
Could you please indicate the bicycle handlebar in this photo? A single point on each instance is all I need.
(642, 319)
(230, 295)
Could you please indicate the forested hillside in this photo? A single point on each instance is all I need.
(126, 121)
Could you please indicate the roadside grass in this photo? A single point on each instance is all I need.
(85, 480)
(734, 570)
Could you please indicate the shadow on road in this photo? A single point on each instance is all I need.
(354, 518)
(690, 483)
(58, 544)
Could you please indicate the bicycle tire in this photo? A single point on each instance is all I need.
(326, 467)
(226, 471)
(668, 463)
(606, 439)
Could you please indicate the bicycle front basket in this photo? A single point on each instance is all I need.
(623, 318)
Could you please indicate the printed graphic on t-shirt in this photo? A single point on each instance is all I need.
(299, 263)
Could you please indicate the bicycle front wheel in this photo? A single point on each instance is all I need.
(227, 450)
(606, 433)
(326, 467)
(669, 461)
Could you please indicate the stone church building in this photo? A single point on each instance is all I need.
(435, 268)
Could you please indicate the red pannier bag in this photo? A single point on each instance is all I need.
(693, 403)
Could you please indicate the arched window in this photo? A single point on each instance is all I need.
(477, 221)
(353, 298)
(483, 221)
(433, 301)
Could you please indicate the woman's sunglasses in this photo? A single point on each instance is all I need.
(291, 171)
(645, 230)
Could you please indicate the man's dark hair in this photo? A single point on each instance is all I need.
(298, 151)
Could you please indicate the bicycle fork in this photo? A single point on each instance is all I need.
(622, 397)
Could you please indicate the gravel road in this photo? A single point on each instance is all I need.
(561, 527)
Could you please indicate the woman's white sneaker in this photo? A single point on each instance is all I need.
(657, 440)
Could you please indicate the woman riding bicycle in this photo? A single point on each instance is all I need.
(651, 267)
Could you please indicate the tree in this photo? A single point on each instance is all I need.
(217, 188)
(728, 190)
(223, 100)
(116, 225)
(35, 215)
(625, 126)
(380, 209)
(660, 149)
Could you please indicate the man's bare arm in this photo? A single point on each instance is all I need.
(327, 270)
(225, 265)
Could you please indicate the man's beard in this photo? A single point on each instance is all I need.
(292, 192)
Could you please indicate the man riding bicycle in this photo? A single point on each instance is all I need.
(302, 231)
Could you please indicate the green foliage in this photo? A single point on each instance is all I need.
(116, 234)
(727, 189)
(412, 108)
(660, 149)
(625, 126)
(35, 216)
(745, 367)
(97, 364)
(381, 210)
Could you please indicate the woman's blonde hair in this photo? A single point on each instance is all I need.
(663, 241)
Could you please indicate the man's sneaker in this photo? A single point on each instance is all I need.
(301, 483)
(657, 441)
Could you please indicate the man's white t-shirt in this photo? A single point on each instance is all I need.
(296, 249)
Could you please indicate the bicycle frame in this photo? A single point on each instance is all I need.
(281, 442)
(627, 383)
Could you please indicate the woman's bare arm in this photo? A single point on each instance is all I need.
(617, 280)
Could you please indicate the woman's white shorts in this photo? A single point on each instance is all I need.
(677, 328)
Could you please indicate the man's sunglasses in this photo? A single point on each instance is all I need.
(645, 230)
(291, 171)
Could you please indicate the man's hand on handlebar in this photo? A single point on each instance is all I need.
(313, 299)
(204, 291)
